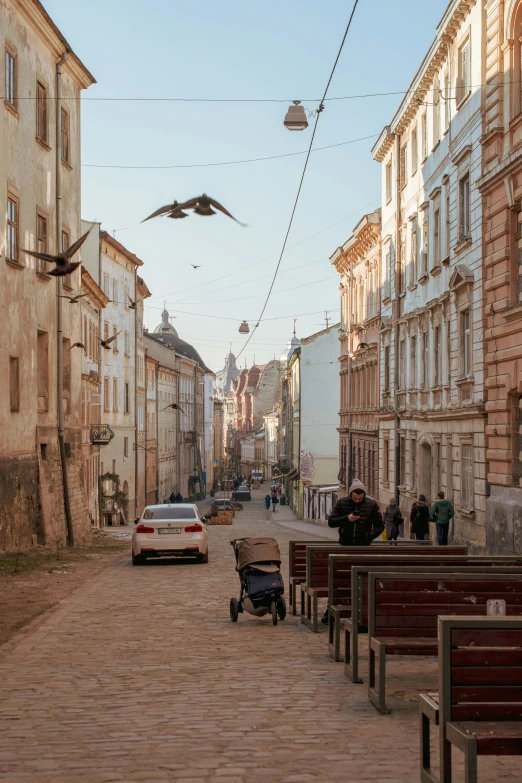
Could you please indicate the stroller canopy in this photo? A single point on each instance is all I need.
(251, 551)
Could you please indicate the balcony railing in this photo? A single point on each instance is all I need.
(101, 434)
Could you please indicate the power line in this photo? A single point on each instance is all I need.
(321, 107)
(226, 162)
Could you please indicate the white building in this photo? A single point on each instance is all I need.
(271, 429)
(208, 457)
(431, 351)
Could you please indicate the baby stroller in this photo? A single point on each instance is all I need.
(258, 561)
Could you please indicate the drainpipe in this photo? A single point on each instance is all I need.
(59, 306)
(146, 421)
(136, 457)
(396, 313)
(156, 373)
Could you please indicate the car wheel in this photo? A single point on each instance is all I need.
(234, 609)
(281, 608)
(138, 559)
(203, 558)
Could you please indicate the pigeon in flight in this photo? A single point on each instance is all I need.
(202, 205)
(62, 260)
(76, 345)
(132, 305)
(170, 210)
(72, 299)
(195, 266)
(174, 406)
(106, 343)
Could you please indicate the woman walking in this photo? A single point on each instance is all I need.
(275, 501)
(420, 519)
(392, 520)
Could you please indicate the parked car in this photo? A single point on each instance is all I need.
(222, 504)
(242, 493)
(170, 530)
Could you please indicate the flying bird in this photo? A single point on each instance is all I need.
(170, 210)
(194, 266)
(174, 406)
(106, 343)
(76, 345)
(62, 260)
(132, 305)
(73, 299)
(202, 205)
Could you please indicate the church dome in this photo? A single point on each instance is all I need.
(165, 327)
(292, 344)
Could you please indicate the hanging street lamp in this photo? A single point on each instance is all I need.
(244, 328)
(296, 119)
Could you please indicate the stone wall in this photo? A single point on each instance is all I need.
(19, 506)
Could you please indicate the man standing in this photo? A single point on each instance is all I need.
(357, 516)
(441, 513)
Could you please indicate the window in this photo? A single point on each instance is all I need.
(115, 341)
(446, 101)
(425, 360)
(386, 368)
(66, 362)
(402, 260)
(12, 229)
(114, 394)
(447, 218)
(448, 352)
(465, 326)
(423, 255)
(414, 151)
(464, 209)
(127, 398)
(105, 330)
(424, 136)
(42, 365)
(516, 469)
(41, 241)
(413, 362)
(65, 135)
(106, 286)
(10, 78)
(463, 76)
(388, 181)
(66, 239)
(402, 364)
(436, 112)
(106, 395)
(14, 383)
(413, 457)
(402, 461)
(466, 495)
(403, 165)
(414, 241)
(436, 356)
(127, 343)
(389, 271)
(41, 112)
(126, 297)
(436, 237)
(125, 447)
(386, 460)
(114, 290)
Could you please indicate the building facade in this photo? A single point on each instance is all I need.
(358, 262)
(142, 293)
(39, 162)
(432, 385)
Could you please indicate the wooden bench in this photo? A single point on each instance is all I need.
(340, 582)
(315, 584)
(403, 610)
(297, 567)
(357, 622)
(479, 704)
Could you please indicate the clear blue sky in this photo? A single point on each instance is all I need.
(236, 49)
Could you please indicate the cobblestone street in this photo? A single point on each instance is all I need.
(141, 676)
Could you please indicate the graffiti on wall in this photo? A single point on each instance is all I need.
(307, 468)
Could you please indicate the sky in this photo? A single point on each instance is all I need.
(281, 50)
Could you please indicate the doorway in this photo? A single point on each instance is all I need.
(425, 472)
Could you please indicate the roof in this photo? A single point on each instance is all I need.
(143, 288)
(312, 337)
(106, 237)
(94, 289)
(180, 346)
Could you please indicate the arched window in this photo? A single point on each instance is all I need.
(516, 81)
(516, 469)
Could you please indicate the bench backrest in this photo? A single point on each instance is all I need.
(480, 665)
(408, 605)
(317, 557)
(471, 564)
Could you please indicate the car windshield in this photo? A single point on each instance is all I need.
(170, 512)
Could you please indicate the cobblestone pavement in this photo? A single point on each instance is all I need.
(141, 676)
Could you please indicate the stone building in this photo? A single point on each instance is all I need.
(40, 162)
(271, 430)
(226, 376)
(256, 391)
(432, 385)
(139, 374)
(501, 189)
(358, 262)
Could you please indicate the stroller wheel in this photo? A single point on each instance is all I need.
(281, 608)
(273, 609)
(234, 610)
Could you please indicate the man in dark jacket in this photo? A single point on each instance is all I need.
(392, 520)
(357, 516)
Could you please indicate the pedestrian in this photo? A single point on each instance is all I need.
(441, 513)
(172, 498)
(179, 497)
(420, 519)
(275, 501)
(278, 489)
(236, 484)
(268, 500)
(392, 520)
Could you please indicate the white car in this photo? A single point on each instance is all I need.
(170, 530)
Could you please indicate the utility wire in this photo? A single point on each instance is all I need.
(321, 107)
(226, 162)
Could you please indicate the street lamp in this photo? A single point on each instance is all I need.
(295, 119)
(244, 328)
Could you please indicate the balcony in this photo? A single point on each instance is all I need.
(101, 434)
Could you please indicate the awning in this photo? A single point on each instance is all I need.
(293, 475)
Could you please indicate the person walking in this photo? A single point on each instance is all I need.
(268, 500)
(442, 512)
(179, 498)
(275, 501)
(172, 498)
(392, 520)
(420, 519)
(357, 516)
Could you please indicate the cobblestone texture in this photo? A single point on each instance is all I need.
(141, 676)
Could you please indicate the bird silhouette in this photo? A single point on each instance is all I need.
(170, 210)
(106, 343)
(194, 266)
(174, 406)
(202, 205)
(62, 260)
(76, 345)
(73, 299)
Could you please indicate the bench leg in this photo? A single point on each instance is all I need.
(351, 651)
(334, 633)
(377, 666)
(468, 745)
(302, 590)
(295, 589)
(426, 774)
(310, 617)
